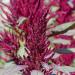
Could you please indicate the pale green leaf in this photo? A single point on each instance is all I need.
(54, 8)
(61, 41)
(21, 20)
(36, 72)
(51, 21)
(65, 69)
(65, 50)
(63, 26)
(70, 33)
(22, 52)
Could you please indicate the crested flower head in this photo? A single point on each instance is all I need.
(35, 35)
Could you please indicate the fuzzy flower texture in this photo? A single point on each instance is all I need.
(40, 35)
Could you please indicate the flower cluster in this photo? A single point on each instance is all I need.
(40, 35)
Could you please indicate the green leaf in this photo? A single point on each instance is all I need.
(22, 52)
(70, 33)
(65, 50)
(63, 26)
(65, 69)
(21, 20)
(61, 41)
(54, 8)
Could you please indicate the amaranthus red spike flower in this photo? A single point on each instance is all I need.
(32, 29)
